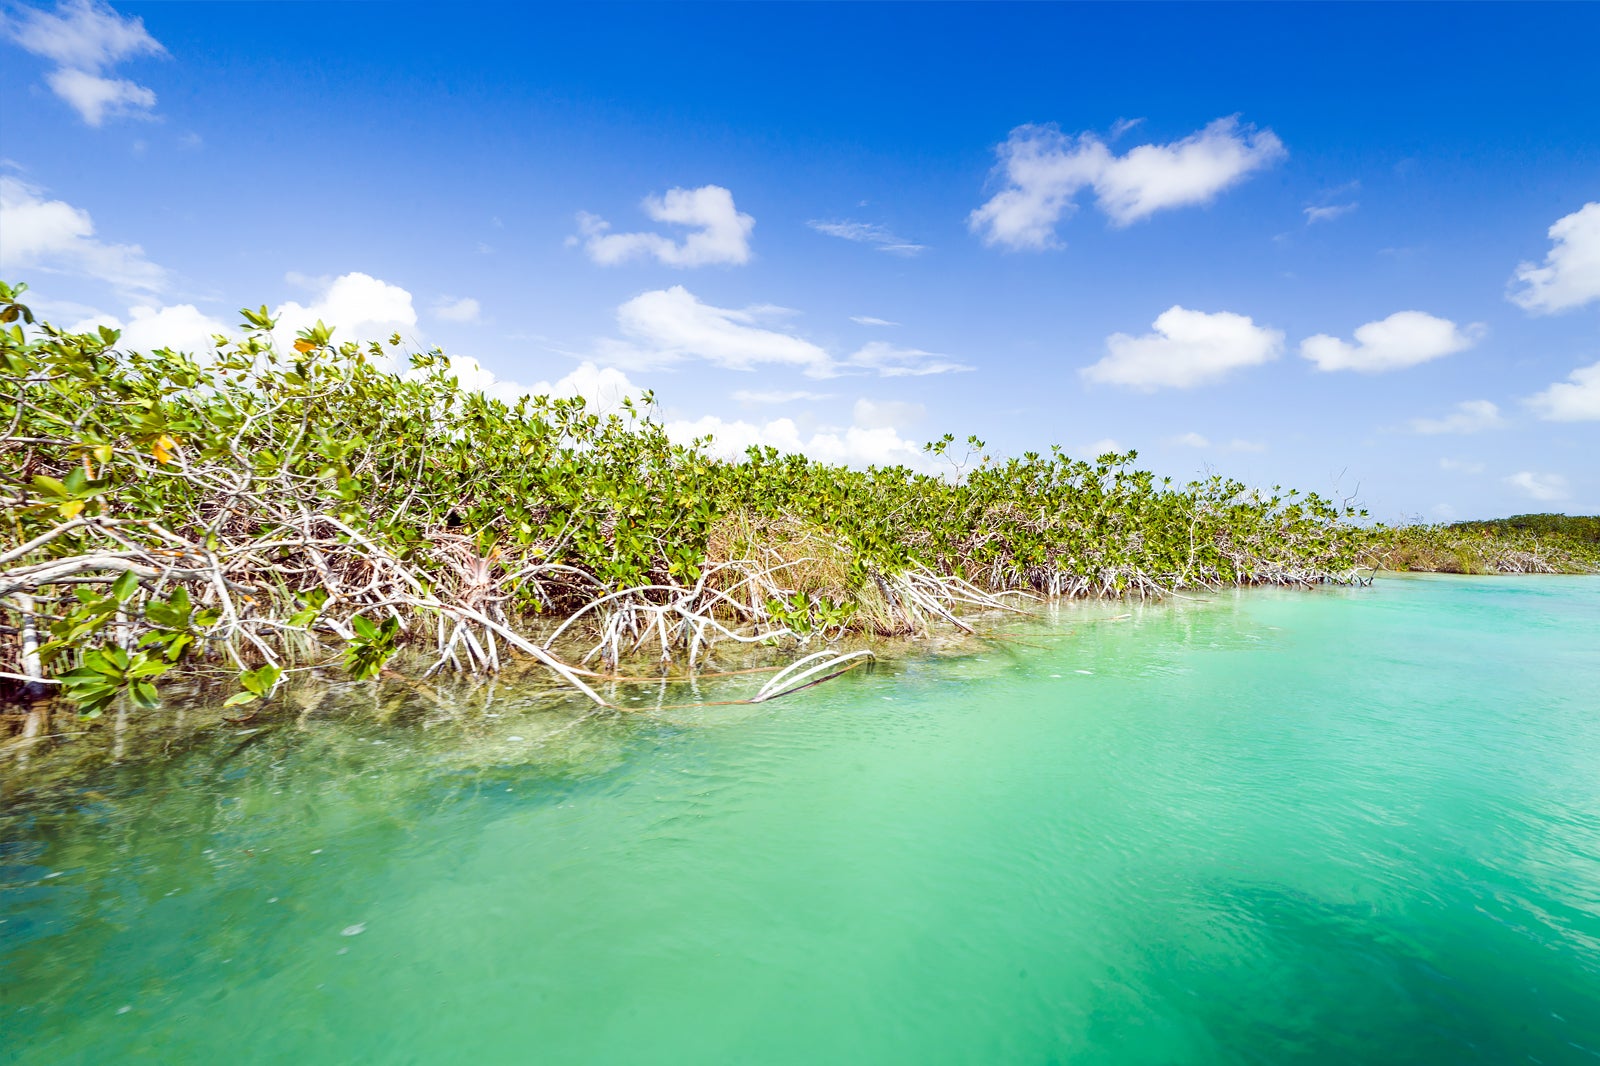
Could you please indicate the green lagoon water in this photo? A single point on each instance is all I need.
(1341, 826)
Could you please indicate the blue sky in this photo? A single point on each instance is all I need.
(1342, 248)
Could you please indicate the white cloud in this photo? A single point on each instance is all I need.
(1570, 276)
(869, 233)
(1328, 213)
(664, 327)
(602, 388)
(1575, 400)
(872, 439)
(1044, 170)
(472, 376)
(888, 414)
(359, 307)
(1095, 449)
(892, 362)
(868, 320)
(181, 327)
(1471, 416)
(1237, 444)
(54, 237)
(83, 35)
(750, 397)
(1404, 339)
(1188, 348)
(84, 38)
(1545, 487)
(854, 446)
(721, 234)
(667, 326)
(97, 97)
(465, 309)
(1461, 466)
(1123, 125)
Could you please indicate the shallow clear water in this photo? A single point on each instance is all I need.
(1355, 826)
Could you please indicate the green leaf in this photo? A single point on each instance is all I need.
(147, 667)
(260, 680)
(50, 486)
(78, 484)
(125, 586)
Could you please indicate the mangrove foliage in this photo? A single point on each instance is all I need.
(307, 505)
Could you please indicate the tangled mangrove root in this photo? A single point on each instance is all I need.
(270, 510)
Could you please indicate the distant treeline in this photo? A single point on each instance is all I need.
(1579, 529)
(1522, 544)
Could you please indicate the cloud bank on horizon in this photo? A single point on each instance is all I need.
(718, 290)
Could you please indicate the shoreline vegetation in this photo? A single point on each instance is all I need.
(1522, 544)
(260, 516)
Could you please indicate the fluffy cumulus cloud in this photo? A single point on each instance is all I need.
(85, 39)
(1575, 400)
(852, 445)
(1570, 274)
(358, 306)
(874, 438)
(665, 327)
(720, 233)
(1044, 170)
(1405, 338)
(1545, 488)
(668, 326)
(466, 309)
(1187, 348)
(52, 236)
(869, 233)
(603, 388)
(181, 327)
(1470, 416)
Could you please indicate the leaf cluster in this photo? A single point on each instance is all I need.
(267, 499)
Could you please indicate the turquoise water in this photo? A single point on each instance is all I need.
(1343, 826)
